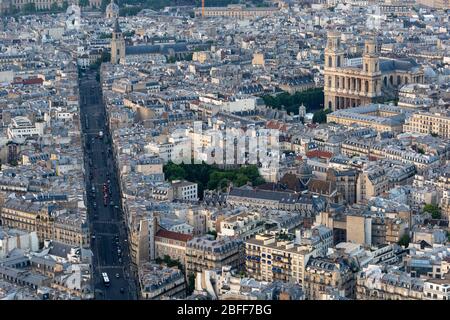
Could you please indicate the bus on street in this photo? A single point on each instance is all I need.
(105, 279)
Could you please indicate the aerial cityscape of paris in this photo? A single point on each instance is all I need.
(225, 150)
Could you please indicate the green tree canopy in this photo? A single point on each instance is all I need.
(404, 241)
(433, 210)
(54, 7)
(83, 3)
(312, 99)
(29, 8)
(213, 233)
(321, 116)
(191, 283)
(211, 177)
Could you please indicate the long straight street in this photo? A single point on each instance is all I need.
(109, 235)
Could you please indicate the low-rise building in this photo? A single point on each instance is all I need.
(185, 190)
(373, 283)
(243, 225)
(172, 244)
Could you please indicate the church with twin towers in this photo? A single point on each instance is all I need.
(368, 78)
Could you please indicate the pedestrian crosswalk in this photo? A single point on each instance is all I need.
(109, 267)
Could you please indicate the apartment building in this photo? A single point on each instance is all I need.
(437, 4)
(322, 274)
(373, 283)
(62, 227)
(270, 259)
(437, 123)
(159, 282)
(437, 289)
(243, 225)
(205, 253)
(363, 227)
(185, 190)
(236, 11)
(371, 182)
(345, 181)
(22, 127)
(352, 147)
(172, 244)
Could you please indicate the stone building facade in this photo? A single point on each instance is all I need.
(373, 81)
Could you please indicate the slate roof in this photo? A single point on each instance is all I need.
(263, 194)
(387, 65)
(156, 49)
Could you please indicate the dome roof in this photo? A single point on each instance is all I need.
(304, 169)
(112, 7)
(73, 9)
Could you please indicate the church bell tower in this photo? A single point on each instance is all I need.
(117, 45)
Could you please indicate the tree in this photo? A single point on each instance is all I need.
(83, 3)
(213, 233)
(191, 283)
(54, 7)
(129, 11)
(105, 35)
(172, 263)
(174, 172)
(320, 116)
(313, 99)
(106, 56)
(104, 4)
(212, 177)
(29, 8)
(404, 240)
(433, 210)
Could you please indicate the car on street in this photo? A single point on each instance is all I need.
(117, 275)
(122, 290)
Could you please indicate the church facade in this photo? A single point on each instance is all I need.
(375, 80)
